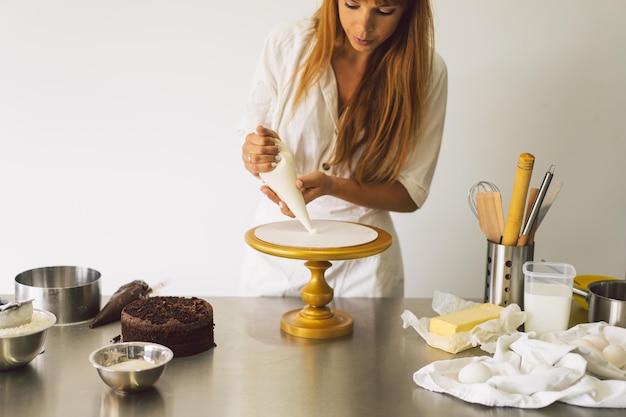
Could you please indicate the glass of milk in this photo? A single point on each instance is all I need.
(547, 295)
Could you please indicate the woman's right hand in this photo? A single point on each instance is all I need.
(259, 151)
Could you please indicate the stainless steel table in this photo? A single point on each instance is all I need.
(256, 370)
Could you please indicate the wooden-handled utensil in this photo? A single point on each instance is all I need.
(479, 187)
(515, 214)
(490, 215)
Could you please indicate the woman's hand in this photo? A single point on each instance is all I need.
(390, 196)
(273, 197)
(311, 185)
(314, 185)
(387, 196)
(259, 152)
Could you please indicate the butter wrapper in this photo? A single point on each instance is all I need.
(484, 334)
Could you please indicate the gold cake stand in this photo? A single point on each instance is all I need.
(316, 320)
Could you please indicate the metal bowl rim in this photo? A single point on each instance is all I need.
(52, 321)
(169, 355)
(97, 273)
(606, 283)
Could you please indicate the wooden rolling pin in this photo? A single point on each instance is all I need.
(515, 214)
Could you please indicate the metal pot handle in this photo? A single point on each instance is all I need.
(580, 292)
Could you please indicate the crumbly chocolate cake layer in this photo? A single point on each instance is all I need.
(185, 325)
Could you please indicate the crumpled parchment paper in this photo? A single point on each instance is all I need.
(484, 335)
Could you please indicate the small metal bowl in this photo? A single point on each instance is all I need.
(71, 293)
(131, 366)
(17, 350)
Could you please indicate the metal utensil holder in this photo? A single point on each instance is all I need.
(504, 278)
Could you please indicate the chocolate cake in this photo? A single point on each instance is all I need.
(185, 325)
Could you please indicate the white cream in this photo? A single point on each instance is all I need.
(38, 322)
(132, 365)
(282, 180)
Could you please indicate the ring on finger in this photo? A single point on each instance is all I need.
(250, 158)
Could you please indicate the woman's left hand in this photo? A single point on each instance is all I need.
(391, 196)
(314, 185)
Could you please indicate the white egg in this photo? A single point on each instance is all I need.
(474, 373)
(584, 343)
(598, 341)
(615, 354)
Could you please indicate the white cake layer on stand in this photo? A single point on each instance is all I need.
(331, 234)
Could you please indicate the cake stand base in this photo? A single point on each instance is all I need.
(296, 323)
(316, 320)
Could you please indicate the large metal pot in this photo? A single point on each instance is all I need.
(71, 293)
(607, 301)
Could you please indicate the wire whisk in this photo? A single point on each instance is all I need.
(479, 187)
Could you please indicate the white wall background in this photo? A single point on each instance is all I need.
(118, 147)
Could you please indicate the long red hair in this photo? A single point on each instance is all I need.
(384, 113)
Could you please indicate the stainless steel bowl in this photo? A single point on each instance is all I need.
(131, 366)
(71, 293)
(18, 350)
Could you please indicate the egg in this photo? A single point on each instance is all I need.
(474, 373)
(598, 341)
(615, 354)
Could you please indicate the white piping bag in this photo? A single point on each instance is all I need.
(282, 180)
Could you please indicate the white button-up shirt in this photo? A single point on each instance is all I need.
(310, 131)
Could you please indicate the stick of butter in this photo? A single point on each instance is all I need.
(464, 320)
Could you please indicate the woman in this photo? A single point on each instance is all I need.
(358, 95)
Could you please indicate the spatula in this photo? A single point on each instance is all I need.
(490, 215)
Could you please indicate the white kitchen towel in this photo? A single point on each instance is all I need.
(597, 365)
(527, 372)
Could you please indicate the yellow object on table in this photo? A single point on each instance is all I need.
(464, 320)
(515, 214)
